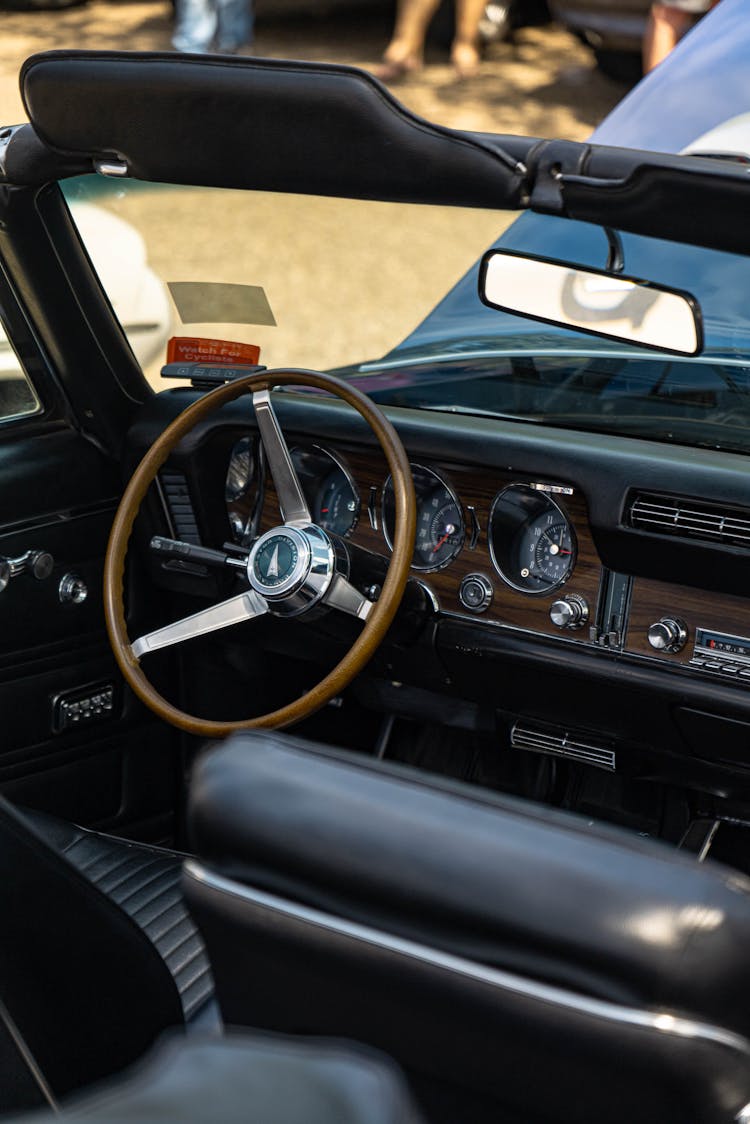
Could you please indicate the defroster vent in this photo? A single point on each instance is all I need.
(693, 519)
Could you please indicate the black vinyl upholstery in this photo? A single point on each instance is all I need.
(145, 882)
(90, 981)
(549, 963)
(250, 1079)
(322, 129)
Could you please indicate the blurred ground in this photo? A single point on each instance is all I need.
(374, 282)
(544, 83)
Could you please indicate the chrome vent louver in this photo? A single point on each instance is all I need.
(562, 743)
(694, 519)
(180, 507)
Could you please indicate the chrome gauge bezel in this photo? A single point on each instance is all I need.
(554, 586)
(454, 497)
(235, 453)
(339, 464)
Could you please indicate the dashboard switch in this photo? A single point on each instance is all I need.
(475, 593)
(668, 635)
(569, 612)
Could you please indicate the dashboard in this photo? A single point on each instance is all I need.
(501, 550)
(488, 547)
(544, 602)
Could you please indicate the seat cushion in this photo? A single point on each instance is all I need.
(499, 881)
(250, 1079)
(145, 882)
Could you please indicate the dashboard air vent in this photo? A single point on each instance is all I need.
(179, 505)
(562, 743)
(694, 519)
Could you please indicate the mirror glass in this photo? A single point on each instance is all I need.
(620, 308)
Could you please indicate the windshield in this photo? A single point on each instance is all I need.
(359, 287)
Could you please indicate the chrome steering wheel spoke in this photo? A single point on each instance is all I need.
(345, 596)
(292, 502)
(244, 607)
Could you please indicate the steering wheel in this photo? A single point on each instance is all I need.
(289, 569)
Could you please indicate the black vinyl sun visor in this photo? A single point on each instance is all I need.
(321, 129)
(298, 127)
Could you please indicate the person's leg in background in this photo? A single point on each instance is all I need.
(405, 52)
(195, 25)
(235, 25)
(465, 48)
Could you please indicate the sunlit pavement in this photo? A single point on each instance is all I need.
(543, 83)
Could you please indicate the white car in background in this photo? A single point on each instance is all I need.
(140, 299)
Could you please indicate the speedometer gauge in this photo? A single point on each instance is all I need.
(440, 522)
(532, 544)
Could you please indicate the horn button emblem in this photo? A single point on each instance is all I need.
(291, 568)
(275, 561)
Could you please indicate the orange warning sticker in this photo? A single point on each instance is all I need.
(184, 349)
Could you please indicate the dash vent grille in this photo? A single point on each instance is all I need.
(695, 519)
(177, 498)
(562, 743)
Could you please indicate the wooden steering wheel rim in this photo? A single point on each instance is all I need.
(379, 618)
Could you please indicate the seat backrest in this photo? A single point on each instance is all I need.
(526, 957)
(83, 986)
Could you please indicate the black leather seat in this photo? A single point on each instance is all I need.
(512, 958)
(248, 1079)
(98, 955)
(145, 882)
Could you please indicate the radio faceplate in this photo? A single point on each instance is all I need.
(721, 654)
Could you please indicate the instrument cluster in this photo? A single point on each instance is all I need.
(531, 541)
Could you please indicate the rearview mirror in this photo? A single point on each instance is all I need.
(594, 301)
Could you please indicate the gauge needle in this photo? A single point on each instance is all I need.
(449, 529)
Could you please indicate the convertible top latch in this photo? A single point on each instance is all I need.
(549, 164)
(111, 166)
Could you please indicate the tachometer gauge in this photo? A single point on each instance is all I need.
(532, 544)
(440, 522)
(331, 494)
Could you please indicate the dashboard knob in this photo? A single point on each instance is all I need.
(475, 593)
(40, 564)
(569, 612)
(667, 635)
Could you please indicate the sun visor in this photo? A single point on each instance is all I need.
(258, 123)
(321, 129)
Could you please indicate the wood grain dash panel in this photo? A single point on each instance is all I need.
(651, 600)
(476, 488)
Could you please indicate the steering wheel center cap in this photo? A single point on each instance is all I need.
(291, 567)
(277, 562)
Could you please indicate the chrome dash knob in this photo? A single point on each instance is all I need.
(668, 635)
(569, 612)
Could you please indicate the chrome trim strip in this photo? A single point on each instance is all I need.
(508, 353)
(674, 1025)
